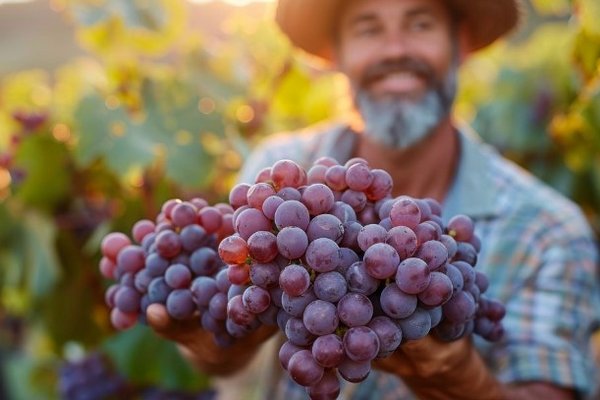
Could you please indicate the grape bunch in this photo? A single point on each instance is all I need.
(347, 272)
(170, 261)
(91, 378)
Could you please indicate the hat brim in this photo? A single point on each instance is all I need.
(310, 24)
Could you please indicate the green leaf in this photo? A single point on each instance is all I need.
(43, 264)
(147, 359)
(171, 128)
(45, 163)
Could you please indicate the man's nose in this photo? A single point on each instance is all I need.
(395, 45)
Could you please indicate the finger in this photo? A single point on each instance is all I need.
(158, 317)
(178, 330)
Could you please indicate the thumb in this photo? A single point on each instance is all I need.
(158, 317)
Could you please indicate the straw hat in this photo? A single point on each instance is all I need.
(309, 23)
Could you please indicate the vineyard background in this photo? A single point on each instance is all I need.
(110, 107)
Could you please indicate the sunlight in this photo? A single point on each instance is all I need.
(233, 2)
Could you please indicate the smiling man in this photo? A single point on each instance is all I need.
(401, 59)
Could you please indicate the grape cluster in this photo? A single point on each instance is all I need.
(91, 378)
(347, 272)
(172, 261)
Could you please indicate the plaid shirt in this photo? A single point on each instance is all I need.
(537, 251)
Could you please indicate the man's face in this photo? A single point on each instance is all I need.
(400, 58)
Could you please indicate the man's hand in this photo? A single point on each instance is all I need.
(438, 370)
(426, 358)
(198, 345)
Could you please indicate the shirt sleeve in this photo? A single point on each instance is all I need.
(552, 317)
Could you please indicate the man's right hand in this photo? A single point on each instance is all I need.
(198, 345)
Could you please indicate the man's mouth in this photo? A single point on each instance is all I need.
(403, 77)
(397, 83)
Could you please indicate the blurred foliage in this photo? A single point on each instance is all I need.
(159, 110)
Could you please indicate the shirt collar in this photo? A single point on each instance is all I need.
(473, 191)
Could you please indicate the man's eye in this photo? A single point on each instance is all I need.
(367, 31)
(421, 25)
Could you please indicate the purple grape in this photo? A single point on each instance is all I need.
(361, 343)
(217, 306)
(258, 193)
(131, 258)
(317, 198)
(388, 333)
(328, 350)
(359, 280)
(369, 235)
(294, 280)
(351, 231)
(168, 244)
(292, 213)
(413, 275)
(193, 237)
(381, 261)
(237, 313)
(465, 252)
(262, 246)
(381, 186)
(354, 371)
(405, 212)
(297, 333)
(325, 226)
(449, 331)
(461, 228)
(205, 261)
(127, 299)
(403, 240)
(292, 242)
(256, 299)
(320, 317)
(356, 200)
(158, 290)
(269, 316)
(335, 177)
(203, 289)
(295, 305)
(434, 253)
(343, 212)
(180, 304)
(289, 193)
(416, 325)
(425, 232)
(438, 292)
(355, 309)
(330, 286)
(286, 351)
(327, 388)
(156, 265)
(397, 304)
(459, 308)
(359, 177)
(251, 220)
(467, 272)
(264, 275)
(323, 255)
(178, 276)
(303, 368)
(270, 205)
(142, 280)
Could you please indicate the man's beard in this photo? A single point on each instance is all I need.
(401, 122)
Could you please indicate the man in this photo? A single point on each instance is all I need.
(401, 57)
